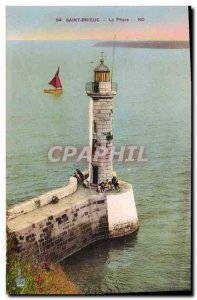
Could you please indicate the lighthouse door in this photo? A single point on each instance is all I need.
(95, 174)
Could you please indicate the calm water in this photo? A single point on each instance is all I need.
(152, 108)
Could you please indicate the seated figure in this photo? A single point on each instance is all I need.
(115, 182)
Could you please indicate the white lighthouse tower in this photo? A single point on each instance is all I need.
(121, 208)
(101, 92)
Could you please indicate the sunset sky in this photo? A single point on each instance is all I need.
(39, 23)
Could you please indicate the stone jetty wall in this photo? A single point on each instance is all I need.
(42, 200)
(52, 232)
(62, 234)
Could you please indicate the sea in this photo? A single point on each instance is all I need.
(151, 109)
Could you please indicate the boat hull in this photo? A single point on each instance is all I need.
(53, 91)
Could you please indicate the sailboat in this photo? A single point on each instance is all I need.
(56, 83)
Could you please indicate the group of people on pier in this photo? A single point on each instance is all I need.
(103, 186)
(108, 185)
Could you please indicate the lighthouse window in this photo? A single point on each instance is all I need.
(109, 136)
(94, 144)
(95, 174)
(94, 127)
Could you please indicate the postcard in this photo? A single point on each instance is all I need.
(98, 133)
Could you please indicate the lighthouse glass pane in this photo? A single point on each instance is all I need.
(102, 76)
(107, 76)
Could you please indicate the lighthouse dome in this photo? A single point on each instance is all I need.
(101, 67)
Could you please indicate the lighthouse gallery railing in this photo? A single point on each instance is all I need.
(96, 87)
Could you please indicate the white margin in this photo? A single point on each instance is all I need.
(5, 3)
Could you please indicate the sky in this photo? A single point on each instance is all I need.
(144, 23)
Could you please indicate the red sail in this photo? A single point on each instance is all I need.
(56, 81)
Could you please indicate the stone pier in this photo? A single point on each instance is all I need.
(52, 232)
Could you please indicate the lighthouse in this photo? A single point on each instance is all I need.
(101, 93)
